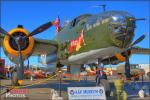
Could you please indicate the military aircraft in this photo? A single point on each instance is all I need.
(106, 37)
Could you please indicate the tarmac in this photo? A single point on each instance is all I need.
(42, 90)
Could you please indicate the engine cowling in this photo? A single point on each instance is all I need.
(116, 59)
(26, 44)
(121, 57)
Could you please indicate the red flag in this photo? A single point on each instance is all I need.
(57, 24)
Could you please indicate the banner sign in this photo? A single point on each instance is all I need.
(85, 93)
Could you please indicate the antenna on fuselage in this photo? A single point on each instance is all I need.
(103, 7)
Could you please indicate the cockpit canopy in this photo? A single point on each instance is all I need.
(79, 19)
(120, 17)
(114, 16)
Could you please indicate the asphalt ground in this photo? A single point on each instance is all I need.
(41, 89)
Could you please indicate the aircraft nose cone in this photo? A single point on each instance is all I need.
(122, 28)
(124, 35)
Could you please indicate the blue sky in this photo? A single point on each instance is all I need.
(32, 14)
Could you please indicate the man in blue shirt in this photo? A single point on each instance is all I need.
(100, 74)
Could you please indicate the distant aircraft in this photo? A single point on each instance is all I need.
(105, 37)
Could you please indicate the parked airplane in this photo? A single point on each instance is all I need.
(105, 37)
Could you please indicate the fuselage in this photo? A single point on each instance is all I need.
(94, 32)
(84, 39)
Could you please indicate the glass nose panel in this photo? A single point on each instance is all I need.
(118, 23)
(118, 19)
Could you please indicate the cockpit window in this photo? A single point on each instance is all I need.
(120, 17)
(98, 18)
(78, 19)
(75, 22)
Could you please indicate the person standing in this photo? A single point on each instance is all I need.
(99, 76)
(7, 73)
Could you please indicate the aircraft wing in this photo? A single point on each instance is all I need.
(138, 50)
(43, 46)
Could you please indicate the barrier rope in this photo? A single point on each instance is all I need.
(43, 81)
(17, 87)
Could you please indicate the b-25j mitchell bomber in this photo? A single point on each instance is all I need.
(105, 37)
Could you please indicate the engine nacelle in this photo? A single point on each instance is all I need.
(118, 58)
(121, 57)
(26, 44)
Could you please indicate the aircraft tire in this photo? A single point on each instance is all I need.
(106, 85)
(14, 79)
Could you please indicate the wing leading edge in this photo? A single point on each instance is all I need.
(43, 46)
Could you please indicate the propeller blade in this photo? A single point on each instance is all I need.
(138, 40)
(28, 63)
(20, 70)
(4, 32)
(127, 62)
(20, 67)
(41, 28)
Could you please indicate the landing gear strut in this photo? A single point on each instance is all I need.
(14, 79)
(127, 68)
